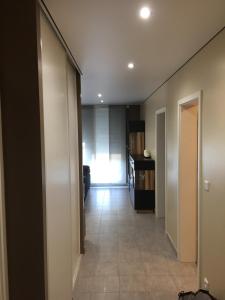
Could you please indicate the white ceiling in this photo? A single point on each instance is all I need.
(104, 35)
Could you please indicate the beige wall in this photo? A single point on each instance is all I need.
(61, 171)
(206, 72)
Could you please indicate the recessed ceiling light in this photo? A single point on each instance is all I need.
(131, 65)
(145, 12)
(99, 95)
(102, 101)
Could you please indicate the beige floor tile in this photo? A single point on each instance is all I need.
(111, 284)
(135, 296)
(131, 268)
(108, 256)
(186, 283)
(97, 296)
(105, 296)
(132, 283)
(161, 283)
(156, 265)
(133, 255)
(181, 269)
(112, 296)
(87, 269)
(83, 284)
(128, 255)
(82, 296)
(161, 295)
(97, 284)
(106, 269)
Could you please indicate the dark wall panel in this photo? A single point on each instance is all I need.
(22, 149)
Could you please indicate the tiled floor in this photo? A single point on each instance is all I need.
(128, 255)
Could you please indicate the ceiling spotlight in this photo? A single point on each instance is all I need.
(131, 65)
(102, 101)
(99, 95)
(145, 12)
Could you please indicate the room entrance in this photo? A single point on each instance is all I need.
(188, 178)
(160, 162)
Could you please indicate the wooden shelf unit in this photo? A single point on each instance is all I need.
(142, 182)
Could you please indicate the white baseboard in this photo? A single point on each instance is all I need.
(76, 271)
(171, 241)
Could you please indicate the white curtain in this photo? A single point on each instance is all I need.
(104, 144)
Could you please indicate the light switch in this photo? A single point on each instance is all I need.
(206, 185)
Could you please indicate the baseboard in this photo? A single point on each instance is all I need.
(109, 186)
(171, 241)
(76, 271)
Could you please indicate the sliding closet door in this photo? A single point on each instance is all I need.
(74, 168)
(57, 165)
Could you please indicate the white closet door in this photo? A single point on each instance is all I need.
(57, 165)
(74, 169)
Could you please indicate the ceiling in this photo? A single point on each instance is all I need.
(105, 35)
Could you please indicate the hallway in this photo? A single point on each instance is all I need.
(128, 255)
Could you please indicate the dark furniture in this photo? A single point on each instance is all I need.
(142, 182)
(136, 137)
(87, 179)
(132, 114)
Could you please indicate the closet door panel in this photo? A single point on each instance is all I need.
(57, 165)
(74, 168)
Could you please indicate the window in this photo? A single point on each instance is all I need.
(104, 144)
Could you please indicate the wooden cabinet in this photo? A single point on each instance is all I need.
(136, 137)
(142, 182)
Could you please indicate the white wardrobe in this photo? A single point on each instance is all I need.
(60, 151)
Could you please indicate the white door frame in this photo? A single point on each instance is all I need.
(158, 112)
(3, 252)
(195, 98)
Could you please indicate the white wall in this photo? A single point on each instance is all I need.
(206, 72)
(61, 168)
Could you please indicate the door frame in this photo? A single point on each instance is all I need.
(3, 251)
(3, 247)
(158, 112)
(194, 98)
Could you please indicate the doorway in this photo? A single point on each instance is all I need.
(189, 112)
(160, 117)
